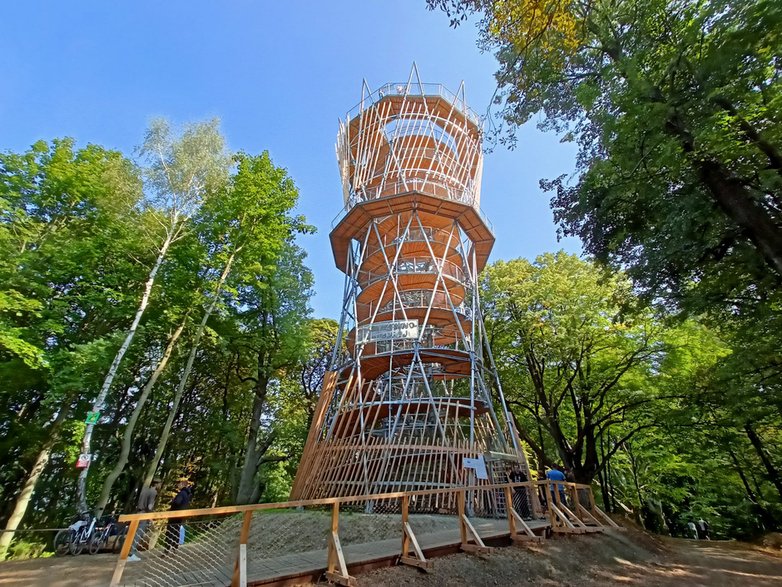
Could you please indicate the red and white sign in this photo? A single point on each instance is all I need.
(84, 461)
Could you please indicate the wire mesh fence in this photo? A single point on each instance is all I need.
(183, 552)
(223, 546)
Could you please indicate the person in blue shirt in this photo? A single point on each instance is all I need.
(556, 474)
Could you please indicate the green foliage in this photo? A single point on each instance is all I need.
(650, 408)
(78, 237)
(675, 106)
(24, 549)
(576, 356)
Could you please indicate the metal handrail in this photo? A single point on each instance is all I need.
(450, 270)
(412, 185)
(414, 89)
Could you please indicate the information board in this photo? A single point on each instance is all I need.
(479, 465)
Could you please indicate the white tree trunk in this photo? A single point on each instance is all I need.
(180, 390)
(98, 404)
(23, 499)
(127, 437)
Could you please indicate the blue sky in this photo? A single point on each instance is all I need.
(278, 75)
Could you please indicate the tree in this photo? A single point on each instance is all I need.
(69, 253)
(575, 354)
(272, 309)
(321, 340)
(676, 106)
(229, 304)
(180, 173)
(246, 224)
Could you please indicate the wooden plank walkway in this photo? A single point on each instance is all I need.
(192, 567)
(313, 562)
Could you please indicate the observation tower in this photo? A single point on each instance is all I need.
(412, 400)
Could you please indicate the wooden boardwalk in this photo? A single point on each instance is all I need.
(305, 565)
(313, 562)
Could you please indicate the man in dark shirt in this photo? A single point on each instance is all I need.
(520, 494)
(180, 502)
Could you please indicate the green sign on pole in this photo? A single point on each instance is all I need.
(92, 418)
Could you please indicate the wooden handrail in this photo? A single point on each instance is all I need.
(235, 509)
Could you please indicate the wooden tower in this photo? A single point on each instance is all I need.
(412, 400)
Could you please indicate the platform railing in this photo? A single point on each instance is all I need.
(414, 89)
(222, 545)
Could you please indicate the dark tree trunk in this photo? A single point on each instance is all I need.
(766, 517)
(771, 471)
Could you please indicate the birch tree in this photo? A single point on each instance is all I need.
(246, 228)
(180, 173)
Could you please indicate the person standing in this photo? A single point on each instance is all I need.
(703, 529)
(556, 474)
(693, 530)
(520, 496)
(145, 504)
(174, 527)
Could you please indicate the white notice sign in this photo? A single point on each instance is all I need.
(479, 465)
(388, 330)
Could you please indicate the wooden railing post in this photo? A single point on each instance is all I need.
(409, 539)
(123, 555)
(239, 578)
(405, 537)
(337, 568)
(460, 509)
(509, 511)
(592, 504)
(549, 500)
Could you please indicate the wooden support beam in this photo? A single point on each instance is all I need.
(419, 560)
(527, 535)
(585, 513)
(337, 569)
(571, 516)
(479, 546)
(564, 524)
(409, 539)
(604, 516)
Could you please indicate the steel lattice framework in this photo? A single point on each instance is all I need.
(409, 395)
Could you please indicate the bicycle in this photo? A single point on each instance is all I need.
(101, 534)
(70, 540)
(83, 534)
(62, 541)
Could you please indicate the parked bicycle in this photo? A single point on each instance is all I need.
(106, 528)
(88, 533)
(74, 538)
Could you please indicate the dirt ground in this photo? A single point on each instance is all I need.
(617, 557)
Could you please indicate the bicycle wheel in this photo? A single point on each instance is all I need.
(119, 540)
(97, 542)
(62, 542)
(78, 542)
